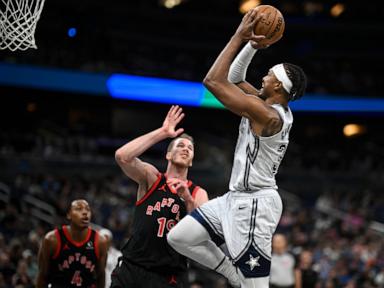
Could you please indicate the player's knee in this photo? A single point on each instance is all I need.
(188, 232)
(174, 239)
(177, 237)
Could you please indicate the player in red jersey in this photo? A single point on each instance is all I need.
(73, 255)
(162, 200)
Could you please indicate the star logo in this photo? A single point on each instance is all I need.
(253, 262)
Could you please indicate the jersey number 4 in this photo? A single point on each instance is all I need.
(76, 279)
(163, 223)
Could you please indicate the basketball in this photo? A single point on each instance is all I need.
(272, 24)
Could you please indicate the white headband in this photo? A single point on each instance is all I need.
(282, 76)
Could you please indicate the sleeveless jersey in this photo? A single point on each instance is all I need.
(74, 263)
(155, 214)
(257, 158)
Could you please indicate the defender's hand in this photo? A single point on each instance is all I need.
(180, 187)
(174, 116)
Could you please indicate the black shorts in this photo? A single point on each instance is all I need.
(129, 275)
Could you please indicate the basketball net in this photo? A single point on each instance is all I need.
(18, 19)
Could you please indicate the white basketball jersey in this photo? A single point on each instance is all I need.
(257, 158)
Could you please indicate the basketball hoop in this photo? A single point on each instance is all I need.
(18, 19)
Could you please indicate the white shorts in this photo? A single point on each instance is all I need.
(246, 223)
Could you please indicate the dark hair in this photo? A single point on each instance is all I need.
(185, 136)
(70, 203)
(68, 206)
(299, 80)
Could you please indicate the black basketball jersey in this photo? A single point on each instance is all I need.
(155, 214)
(74, 263)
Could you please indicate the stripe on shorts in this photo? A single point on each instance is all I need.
(251, 230)
(257, 248)
(204, 220)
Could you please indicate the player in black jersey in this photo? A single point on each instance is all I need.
(162, 200)
(73, 255)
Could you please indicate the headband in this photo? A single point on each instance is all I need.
(282, 76)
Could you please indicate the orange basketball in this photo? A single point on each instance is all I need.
(272, 24)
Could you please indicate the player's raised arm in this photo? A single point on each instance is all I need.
(238, 69)
(127, 156)
(228, 93)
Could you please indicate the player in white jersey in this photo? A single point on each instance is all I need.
(246, 217)
(257, 158)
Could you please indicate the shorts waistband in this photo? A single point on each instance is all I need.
(256, 194)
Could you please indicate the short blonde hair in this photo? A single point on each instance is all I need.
(185, 136)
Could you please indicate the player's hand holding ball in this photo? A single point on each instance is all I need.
(262, 26)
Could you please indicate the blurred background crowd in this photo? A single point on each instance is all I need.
(55, 147)
(336, 42)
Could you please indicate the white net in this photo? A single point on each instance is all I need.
(18, 19)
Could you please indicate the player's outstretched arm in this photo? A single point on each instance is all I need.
(238, 69)
(127, 156)
(230, 94)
